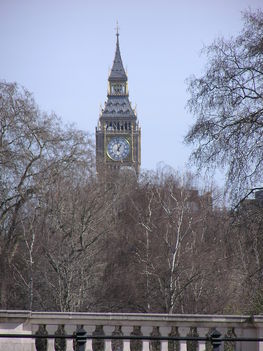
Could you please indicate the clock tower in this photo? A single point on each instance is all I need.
(118, 135)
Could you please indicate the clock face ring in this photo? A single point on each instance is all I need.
(118, 148)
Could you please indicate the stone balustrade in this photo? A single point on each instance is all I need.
(66, 323)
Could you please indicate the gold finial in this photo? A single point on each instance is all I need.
(117, 29)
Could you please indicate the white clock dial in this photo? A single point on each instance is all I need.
(118, 148)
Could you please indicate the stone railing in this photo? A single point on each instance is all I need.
(59, 323)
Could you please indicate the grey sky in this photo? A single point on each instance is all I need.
(62, 50)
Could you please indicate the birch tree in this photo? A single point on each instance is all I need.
(169, 218)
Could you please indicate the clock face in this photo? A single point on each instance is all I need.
(118, 148)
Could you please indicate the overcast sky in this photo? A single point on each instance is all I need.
(62, 51)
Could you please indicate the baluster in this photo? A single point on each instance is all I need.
(183, 332)
(127, 343)
(78, 327)
(230, 345)
(164, 343)
(117, 345)
(60, 344)
(155, 345)
(208, 345)
(202, 332)
(98, 345)
(136, 345)
(192, 345)
(108, 330)
(174, 345)
(69, 330)
(146, 331)
(51, 342)
(41, 344)
(90, 330)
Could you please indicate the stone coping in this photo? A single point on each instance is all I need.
(128, 319)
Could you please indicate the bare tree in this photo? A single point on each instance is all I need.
(34, 150)
(227, 104)
(73, 230)
(167, 253)
(171, 238)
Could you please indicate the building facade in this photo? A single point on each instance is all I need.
(118, 135)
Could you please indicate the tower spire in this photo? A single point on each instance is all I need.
(117, 72)
(117, 30)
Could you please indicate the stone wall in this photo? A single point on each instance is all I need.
(59, 323)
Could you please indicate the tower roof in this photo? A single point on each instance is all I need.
(117, 71)
(118, 107)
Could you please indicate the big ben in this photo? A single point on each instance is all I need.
(118, 135)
